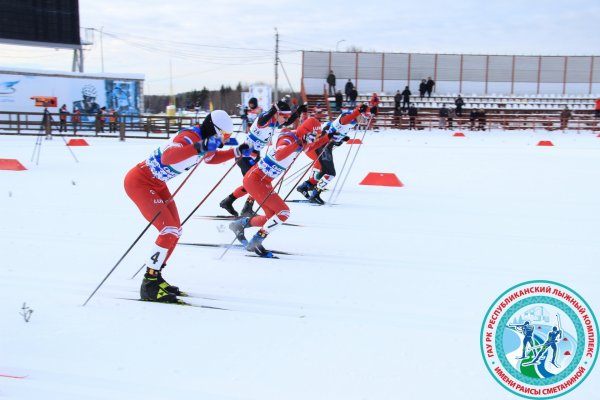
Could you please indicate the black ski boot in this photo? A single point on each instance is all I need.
(315, 197)
(305, 189)
(255, 244)
(151, 290)
(237, 227)
(167, 286)
(227, 204)
(247, 210)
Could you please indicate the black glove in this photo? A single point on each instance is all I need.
(302, 108)
(346, 138)
(363, 108)
(330, 135)
(243, 150)
(243, 146)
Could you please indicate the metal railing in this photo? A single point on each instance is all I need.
(126, 126)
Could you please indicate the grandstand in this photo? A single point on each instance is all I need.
(529, 92)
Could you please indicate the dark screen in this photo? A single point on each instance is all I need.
(44, 21)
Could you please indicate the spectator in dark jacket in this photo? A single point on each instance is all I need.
(331, 83)
(412, 117)
(565, 116)
(430, 84)
(473, 115)
(397, 99)
(459, 102)
(353, 97)
(422, 88)
(406, 97)
(397, 116)
(348, 89)
(443, 116)
(339, 100)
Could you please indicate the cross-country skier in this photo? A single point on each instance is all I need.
(324, 170)
(146, 185)
(258, 183)
(527, 330)
(550, 342)
(259, 136)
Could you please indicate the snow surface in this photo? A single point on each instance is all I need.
(385, 299)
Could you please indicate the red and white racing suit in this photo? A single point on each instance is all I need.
(258, 180)
(146, 185)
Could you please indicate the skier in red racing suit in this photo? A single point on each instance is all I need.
(258, 182)
(146, 185)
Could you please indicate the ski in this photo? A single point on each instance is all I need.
(271, 255)
(233, 246)
(178, 303)
(312, 203)
(231, 218)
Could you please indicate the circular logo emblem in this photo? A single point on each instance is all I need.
(539, 339)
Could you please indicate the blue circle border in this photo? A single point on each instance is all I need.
(481, 336)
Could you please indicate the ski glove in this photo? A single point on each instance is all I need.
(310, 137)
(209, 144)
(243, 150)
(302, 108)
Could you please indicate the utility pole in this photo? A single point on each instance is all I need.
(275, 94)
(102, 47)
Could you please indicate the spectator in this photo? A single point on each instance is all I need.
(443, 116)
(348, 89)
(412, 117)
(353, 97)
(397, 99)
(422, 88)
(339, 100)
(112, 120)
(459, 102)
(597, 108)
(565, 115)
(100, 120)
(406, 97)
(76, 120)
(473, 115)
(481, 119)
(331, 83)
(46, 124)
(451, 115)
(429, 86)
(63, 113)
(398, 116)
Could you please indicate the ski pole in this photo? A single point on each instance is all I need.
(142, 233)
(305, 171)
(343, 168)
(351, 164)
(198, 206)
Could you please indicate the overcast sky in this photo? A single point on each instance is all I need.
(213, 42)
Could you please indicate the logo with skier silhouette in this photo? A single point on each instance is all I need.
(539, 339)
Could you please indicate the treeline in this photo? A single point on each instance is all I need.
(226, 98)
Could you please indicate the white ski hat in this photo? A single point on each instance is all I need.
(222, 122)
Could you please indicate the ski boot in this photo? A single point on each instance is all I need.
(227, 204)
(150, 289)
(255, 244)
(167, 286)
(315, 197)
(247, 210)
(237, 227)
(305, 189)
